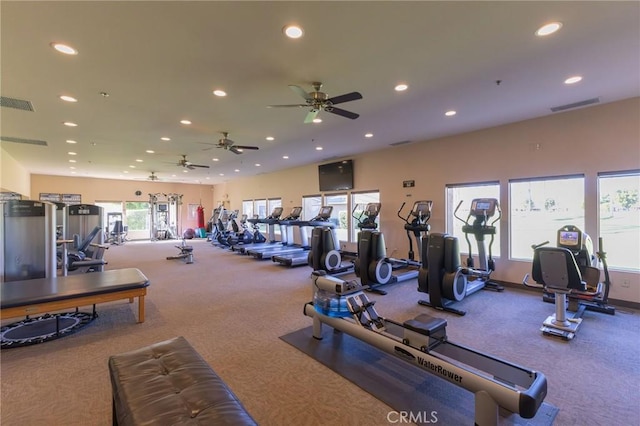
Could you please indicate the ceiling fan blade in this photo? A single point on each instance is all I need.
(235, 150)
(287, 106)
(192, 166)
(300, 91)
(342, 112)
(347, 97)
(311, 116)
(244, 147)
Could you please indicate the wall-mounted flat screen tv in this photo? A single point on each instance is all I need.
(336, 176)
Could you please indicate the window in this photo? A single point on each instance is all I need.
(359, 202)
(461, 196)
(260, 208)
(137, 217)
(272, 203)
(247, 208)
(339, 215)
(113, 207)
(541, 206)
(619, 219)
(310, 206)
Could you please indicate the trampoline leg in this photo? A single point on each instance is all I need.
(57, 325)
(486, 409)
(95, 314)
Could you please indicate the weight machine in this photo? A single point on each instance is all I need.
(165, 215)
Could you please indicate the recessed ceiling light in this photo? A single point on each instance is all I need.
(132, 166)
(63, 48)
(549, 28)
(219, 92)
(185, 121)
(72, 153)
(70, 124)
(450, 113)
(573, 80)
(150, 151)
(207, 178)
(270, 138)
(215, 159)
(257, 164)
(368, 135)
(236, 170)
(221, 174)
(125, 171)
(293, 31)
(71, 141)
(286, 157)
(185, 171)
(164, 138)
(68, 98)
(139, 160)
(401, 87)
(72, 167)
(317, 120)
(318, 148)
(72, 161)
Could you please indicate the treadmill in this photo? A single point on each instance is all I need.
(270, 221)
(302, 258)
(285, 232)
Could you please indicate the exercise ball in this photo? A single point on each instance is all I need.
(189, 233)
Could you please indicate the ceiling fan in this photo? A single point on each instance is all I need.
(320, 101)
(153, 177)
(230, 145)
(188, 164)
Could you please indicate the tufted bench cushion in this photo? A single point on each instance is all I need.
(169, 383)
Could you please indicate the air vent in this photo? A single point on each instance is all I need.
(25, 141)
(15, 103)
(576, 105)
(400, 143)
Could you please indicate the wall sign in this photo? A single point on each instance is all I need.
(408, 183)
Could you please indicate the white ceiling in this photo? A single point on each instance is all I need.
(160, 61)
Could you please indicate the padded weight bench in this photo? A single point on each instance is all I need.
(169, 383)
(45, 295)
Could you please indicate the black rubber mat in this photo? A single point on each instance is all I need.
(402, 386)
(42, 329)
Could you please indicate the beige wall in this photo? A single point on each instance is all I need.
(586, 141)
(93, 190)
(13, 177)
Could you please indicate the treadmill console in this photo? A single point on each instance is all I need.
(325, 212)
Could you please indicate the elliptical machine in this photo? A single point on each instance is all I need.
(441, 275)
(373, 266)
(325, 253)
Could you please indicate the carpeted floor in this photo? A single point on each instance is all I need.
(233, 309)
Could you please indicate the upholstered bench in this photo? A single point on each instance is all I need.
(169, 383)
